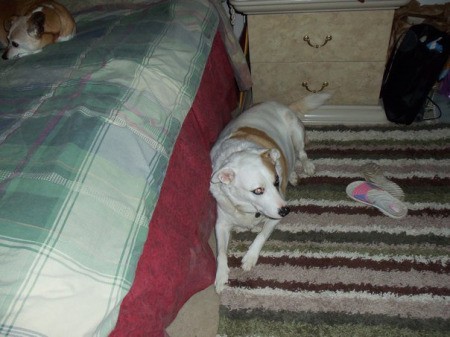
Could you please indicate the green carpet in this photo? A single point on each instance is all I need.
(335, 267)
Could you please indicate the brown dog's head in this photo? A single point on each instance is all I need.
(26, 35)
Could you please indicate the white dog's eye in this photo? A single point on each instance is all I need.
(15, 44)
(258, 191)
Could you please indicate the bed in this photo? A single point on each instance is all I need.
(105, 210)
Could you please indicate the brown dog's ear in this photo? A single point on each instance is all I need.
(36, 25)
(8, 22)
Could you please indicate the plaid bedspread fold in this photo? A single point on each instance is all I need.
(86, 131)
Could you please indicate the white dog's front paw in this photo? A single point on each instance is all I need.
(221, 279)
(293, 179)
(309, 168)
(249, 261)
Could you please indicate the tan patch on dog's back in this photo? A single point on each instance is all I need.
(261, 138)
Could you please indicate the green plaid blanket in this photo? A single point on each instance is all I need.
(86, 132)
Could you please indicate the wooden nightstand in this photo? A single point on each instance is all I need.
(338, 51)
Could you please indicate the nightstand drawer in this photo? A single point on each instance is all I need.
(351, 83)
(355, 36)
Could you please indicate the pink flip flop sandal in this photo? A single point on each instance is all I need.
(369, 194)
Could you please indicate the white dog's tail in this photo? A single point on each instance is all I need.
(309, 102)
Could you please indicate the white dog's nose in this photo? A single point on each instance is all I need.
(283, 211)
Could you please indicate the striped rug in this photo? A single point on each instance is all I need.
(335, 267)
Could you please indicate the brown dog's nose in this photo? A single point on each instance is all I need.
(283, 211)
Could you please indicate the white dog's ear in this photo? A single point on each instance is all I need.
(224, 175)
(272, 154)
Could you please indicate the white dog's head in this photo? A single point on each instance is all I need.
(251, 180)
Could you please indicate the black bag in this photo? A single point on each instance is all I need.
(411, 72)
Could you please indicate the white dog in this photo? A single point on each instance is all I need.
(253, 159)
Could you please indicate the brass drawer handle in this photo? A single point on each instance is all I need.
(308, 40)
(305, 84)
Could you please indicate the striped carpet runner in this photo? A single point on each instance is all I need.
(335, 267)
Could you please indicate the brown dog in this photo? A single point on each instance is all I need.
(28, 26)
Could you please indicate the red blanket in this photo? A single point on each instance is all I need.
(177, 260)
